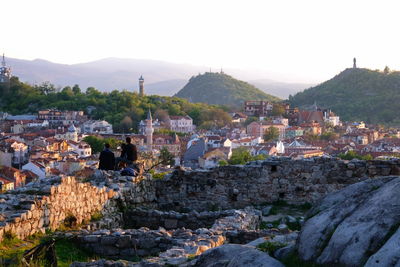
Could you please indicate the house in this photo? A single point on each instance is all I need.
(37, 168)
(268, 149)
(30, 176)
(62, 118)
(246, 142)
(257, 108)
(259, 128)
(6, 184)
(310, 116)
(181, 124)
(196, 149)
(82, 148)
(313, 128)
(97, 126)
(293, 132)
(239, 117)
(212, 158)
(281, 120)
(14, 175)
(171, 142)
(13, 153)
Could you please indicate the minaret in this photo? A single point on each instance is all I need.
(141, 86)
(354, 63)
(5, 74)
(149, 131)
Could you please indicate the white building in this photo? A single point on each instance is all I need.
(182, 124)
(83, 149)
(97, 126)
(36, 168)
(333, 120)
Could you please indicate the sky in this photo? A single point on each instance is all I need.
(302, 41)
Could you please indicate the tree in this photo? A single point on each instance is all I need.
(76, 89)
(240, 156)
(96, 143)
(161, 115)
(250, 120)
(166, 157)
(386, 70)
(278, 110)
(271, 134)
(126, 124)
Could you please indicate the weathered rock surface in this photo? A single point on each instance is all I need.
(354, 226)
(233, 255)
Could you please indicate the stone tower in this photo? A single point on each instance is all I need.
(149, 131)
(354, 63)
(5, 75)
(141, 86)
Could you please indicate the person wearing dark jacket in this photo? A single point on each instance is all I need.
(107, 159)
(128, 153)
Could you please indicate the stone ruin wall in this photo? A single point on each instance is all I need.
(47, 203)
(294, 181)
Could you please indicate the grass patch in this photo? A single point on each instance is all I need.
(67, 252)
(97, 216)
(12, 248)
(271, 247)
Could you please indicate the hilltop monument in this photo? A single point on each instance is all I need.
(354, 63)
(141, 86)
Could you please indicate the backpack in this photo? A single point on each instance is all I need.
(128, 172)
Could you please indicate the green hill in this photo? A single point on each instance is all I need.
(221, 89)
(357, 94)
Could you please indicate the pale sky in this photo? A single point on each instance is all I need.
(306, 41)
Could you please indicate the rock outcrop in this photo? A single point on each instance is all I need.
(355, 226)
(234, 255)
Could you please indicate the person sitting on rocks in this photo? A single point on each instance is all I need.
(128, 154)
(107, 158)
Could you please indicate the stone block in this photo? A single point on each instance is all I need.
(108, 240)
(171, 223)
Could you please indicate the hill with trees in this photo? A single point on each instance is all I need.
(123, 109)
(357, 95)
(221, 89)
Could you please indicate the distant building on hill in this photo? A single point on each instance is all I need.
(5, 75)
(141, 86)
(257, 108)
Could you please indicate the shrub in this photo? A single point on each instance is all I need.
(271, 247)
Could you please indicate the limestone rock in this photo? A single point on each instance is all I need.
(350, 225)
(233, 255)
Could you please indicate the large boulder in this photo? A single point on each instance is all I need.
(355, 226)
(233, 255)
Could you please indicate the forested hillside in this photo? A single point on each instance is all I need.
(221, 89)
(121, 108)
(357, 94)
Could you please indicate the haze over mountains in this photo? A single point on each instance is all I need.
(161, 78)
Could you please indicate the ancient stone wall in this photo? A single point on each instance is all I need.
(153, 219)
(294, 181)
(46, 204)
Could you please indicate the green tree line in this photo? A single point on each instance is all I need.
(123, 109)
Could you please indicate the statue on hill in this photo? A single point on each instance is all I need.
(354, 63)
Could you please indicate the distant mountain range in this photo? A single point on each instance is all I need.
(162, 78)
(221, 89)
(357, 94)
